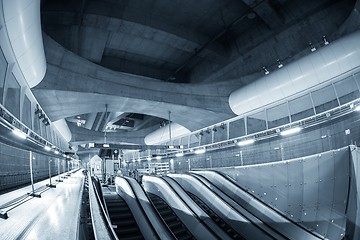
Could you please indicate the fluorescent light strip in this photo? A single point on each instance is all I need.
(47, 148)
(246, 142)
(148, 158)
(158, 157)
(200, 151)
(105, 145)
(290, 131)
(19, 133)
(179, 154)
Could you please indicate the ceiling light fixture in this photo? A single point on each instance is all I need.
(158, 157)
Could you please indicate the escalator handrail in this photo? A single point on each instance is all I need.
(101, 195)
(104, 212)
(139, 207)
(265, 204)
(142, 207)
(162, 219)
(194, 214)
(220, 190)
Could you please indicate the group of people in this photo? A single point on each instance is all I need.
(135, 174)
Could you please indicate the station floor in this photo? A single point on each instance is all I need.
(55, 215)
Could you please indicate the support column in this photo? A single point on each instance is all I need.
(50, 184)
(33, 194)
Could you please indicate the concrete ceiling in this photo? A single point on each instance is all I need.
(152, 57)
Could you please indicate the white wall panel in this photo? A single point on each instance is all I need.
(316, 68)
(23, 28)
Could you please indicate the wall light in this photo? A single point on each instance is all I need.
(56, 152)
(179, 154)
(200, 151)
(312, 48)
(290, 131)
(47, 148)
(326, 42)
(265, 71)
(105, 145)
(158, 157)
(148, 158)
(19, 133)
(246, 142)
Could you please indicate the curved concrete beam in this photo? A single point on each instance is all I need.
(82, 135)
(73, 85)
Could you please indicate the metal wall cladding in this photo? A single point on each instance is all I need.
(311, 191)
(15, 167)
(353, 210)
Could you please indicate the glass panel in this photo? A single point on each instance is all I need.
(184, 141)
(26, 116)
(194, 140)
(36, 124)
(278, 115)
(347, 90)
(12, 101)
(301, 108)
(256, 122)
(43, 129)
(3, 66)
(220, 133)
(236, 128)
(357, 78)
(206, 137)
(324, 99)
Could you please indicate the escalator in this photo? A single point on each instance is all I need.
(271, 218)
(121, 218)
(170, 218)
(228, 229)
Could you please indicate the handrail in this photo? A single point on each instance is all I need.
(142, 208)
(201, 178)
(192, 211)
(232, 181)
(108, 226)
(147, 227)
